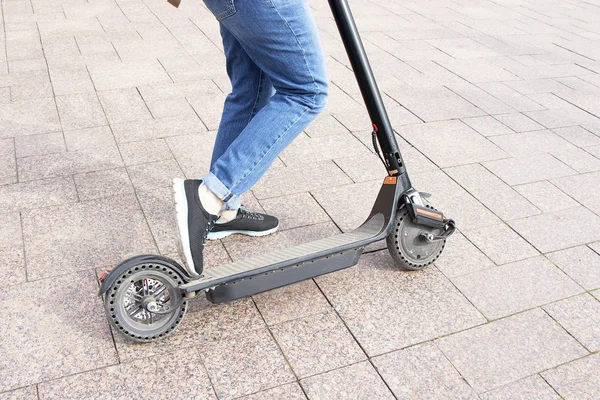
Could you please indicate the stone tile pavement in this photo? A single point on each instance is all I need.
(497, 110)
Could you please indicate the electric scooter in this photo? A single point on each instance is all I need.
(146, 296)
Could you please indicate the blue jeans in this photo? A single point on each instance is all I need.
(279, 85)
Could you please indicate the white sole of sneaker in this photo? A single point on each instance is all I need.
(221, 235)
(181, 210)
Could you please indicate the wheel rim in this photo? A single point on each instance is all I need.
(146, 300)
(417, 251)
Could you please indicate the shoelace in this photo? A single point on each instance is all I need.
(209, 227)
(250, 215)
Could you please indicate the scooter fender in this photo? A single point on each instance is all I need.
(109, 277)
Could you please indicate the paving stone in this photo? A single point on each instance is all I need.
(28, 117)
(291, 391)
(453, 200)
(450, 143)
(560, 229)
(583, 188)
(27, 393)
(325, 125)
(546, 196)
(165, 108)
(290, 302)
(204, 323)
(295, 210)
(8, 164)
(487, 126)
(290, 180)
(422, 372)
(193, 152)
(123, 105)
(436, 307)
(316, 344)
(119, 75)
(112, 182)
(89, 138)
(580, 316)
(358, 381)
(12, 265)
(253, 362)
(40, 344)
(492, 192)
(525, 143)
(68, 81)
(510, 288)
(85, 235)
(461, 257)
(163, 375)
(533, 168)
(531, 86)
(577, 159)
(157, 128)
(532, 388)
(35, 145)
(36, 194)
(578, 136)
(357, 204)
(509, 96)
(500, 243)
(581, 264)
(463, 48)
(577, 379)
(518, 122)
(145, 151)
(86, 160)
(182, 90)
(79, 111)
(480, 98)
(309, 150)
(503, 351)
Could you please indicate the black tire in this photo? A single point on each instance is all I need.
(125, 306)
(410, 252)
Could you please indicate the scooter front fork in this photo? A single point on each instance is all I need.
(425, 215)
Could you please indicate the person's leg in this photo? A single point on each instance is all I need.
(281, 38)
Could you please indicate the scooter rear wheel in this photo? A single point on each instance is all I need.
(408, 247)
(144, 303)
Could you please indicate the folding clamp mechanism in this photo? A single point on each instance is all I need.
(428, 216)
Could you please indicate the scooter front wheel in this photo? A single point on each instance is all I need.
(407, 245)
(145, 303)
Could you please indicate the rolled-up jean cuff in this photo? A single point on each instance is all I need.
(232, 202)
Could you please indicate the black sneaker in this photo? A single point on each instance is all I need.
(245, 223)
(194, 223)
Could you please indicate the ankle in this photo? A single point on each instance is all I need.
(209, 200)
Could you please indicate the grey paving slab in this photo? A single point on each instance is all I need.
(89, 138)
(518, 122)
(55, 343)
(463, 48)
(84, 235)
(532, 388)
(254, 364)
(578, 159)
(478, 70)
(325, 125)
(157, 128)
(514, 287)
(27, 393)
(41, 144)
(295, 210)
(437, 308)
(487, 126)
(583, 188)
(492, 192)
(291, 302)
(451, 143)
(480, 98)
(174, 107)
(291, 391)
(117, 75)
(422, 372)
(28, 117)
(288, 180)
(532, 168)
(461, 257)
(181, 90)
(578, 136)
(577, 379)
(525, 143)
(12, 265)
(160, 378)
(193, 152)
(358, 381)
(123, 105)
(500, 243)
(316, 344)
(559, 229)
(86, 160)
(546, 196)
(67, 81)
(41, 193)
(309, 150)
(98, 184)
(510, 96)
(79, 111)
(580, 263)
(509, 349)
(454, 200)
(145, 151)
(8, 163)
(580, 316)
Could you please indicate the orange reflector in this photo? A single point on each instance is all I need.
(429, 213)
(389, 180)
